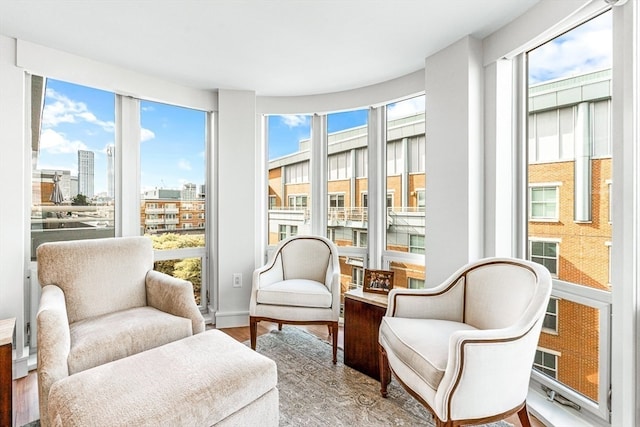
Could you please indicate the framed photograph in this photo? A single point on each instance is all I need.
(380, 281)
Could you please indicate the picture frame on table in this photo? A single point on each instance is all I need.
(377, 281)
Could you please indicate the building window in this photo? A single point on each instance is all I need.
(414, 283)
(359, 238)
(416, 243)
(543, 203)
(272, 202)
(546, 363)
(297, 173)
(545, 253)
(282, 232)
(550, 323)
(298, 202)
(339, 166)
(420, 199)
(336, 200)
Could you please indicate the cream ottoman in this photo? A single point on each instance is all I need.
(203, 380)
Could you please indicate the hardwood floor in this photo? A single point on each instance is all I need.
(25, 390)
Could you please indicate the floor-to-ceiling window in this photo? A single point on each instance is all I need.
(405, 191)
(569, 172)
(347, 184)
(173, 153)
(72, 146)
(289, 183)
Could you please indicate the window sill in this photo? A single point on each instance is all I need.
(556, 415)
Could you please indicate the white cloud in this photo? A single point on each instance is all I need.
(146, 135)
(584, 49)
(56, 143)
(65, 110)
(292, 120)
(406, 108)
(184, 164)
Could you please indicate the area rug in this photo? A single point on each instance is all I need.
(315, 392)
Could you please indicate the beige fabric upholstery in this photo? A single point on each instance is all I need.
(203, 380)
(102, 301)
(300, 284)
(465, 348)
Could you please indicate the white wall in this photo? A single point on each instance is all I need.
(13, 166)
(453, 158)
(236, 204)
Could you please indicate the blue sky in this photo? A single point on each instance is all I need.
(173, 138)
(81, 118)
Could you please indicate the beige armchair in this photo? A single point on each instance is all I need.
(299, 285)
(102, 301)
(465, 348)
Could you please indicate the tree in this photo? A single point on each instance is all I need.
(80, 200)
(187, 269)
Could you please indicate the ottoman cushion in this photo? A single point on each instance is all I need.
(197, 381)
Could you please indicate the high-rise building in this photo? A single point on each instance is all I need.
(111, 155)
(85, 173)
(189, 191)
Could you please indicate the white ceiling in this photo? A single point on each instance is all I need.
(274, 47)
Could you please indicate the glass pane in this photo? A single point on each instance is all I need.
(405, 181)
(347, 220)
(289, 139)
(187, 269)
(570, 77)
(173, 173)
(351, 275)
(404, 271)
(73, 162)
(577, 342)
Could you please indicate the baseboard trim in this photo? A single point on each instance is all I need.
(231, 319)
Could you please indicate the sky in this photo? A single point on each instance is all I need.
(173, 139)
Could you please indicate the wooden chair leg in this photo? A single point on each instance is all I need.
(334, 334)
(385, 371)
(253, 331)
(279, 326)
(523, 416)
(329, 328)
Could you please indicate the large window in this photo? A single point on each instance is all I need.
(569, 172)
(73, 156)
(289, 176)
(173, 189)
(405, 184)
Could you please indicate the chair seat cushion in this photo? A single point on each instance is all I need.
(422, 344)
(295, 292)
(102, 339)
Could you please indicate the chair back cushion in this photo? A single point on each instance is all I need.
(305, 257)
(498, 294)
(97, 276)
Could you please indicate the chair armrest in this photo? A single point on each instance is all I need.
(54, 344)
(493, 362)
(173, 296)
(445, 302)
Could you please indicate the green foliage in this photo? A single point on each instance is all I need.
(80, 200)
(187, 269)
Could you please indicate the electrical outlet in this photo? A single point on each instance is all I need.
(237, 280)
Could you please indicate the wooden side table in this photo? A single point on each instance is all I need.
(363, 312)
(6, 370)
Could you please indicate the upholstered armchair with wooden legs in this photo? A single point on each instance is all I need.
(465, 348)
(300, 284)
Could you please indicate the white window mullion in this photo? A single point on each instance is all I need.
(128, 166)
(319, 175)
(376, 197)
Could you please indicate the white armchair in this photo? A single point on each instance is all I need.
(465, 348)
(299, 285)
(102, 301)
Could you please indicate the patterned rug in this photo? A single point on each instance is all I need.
(315, 392)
